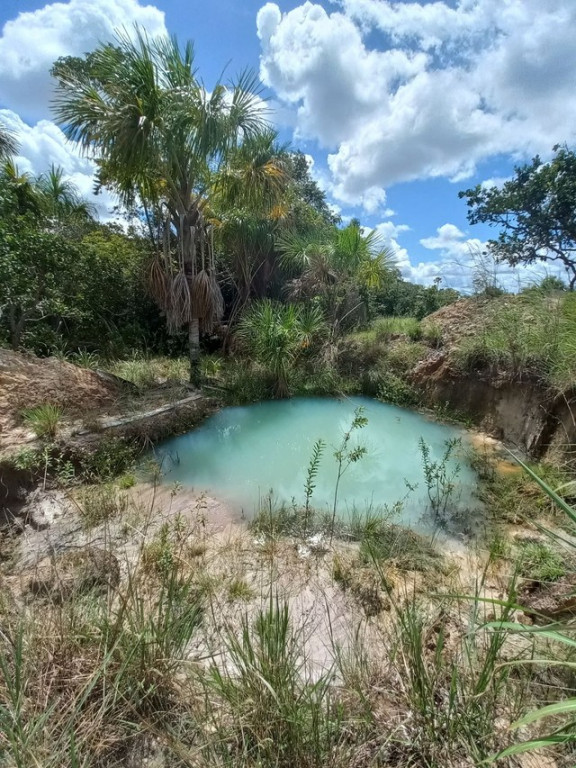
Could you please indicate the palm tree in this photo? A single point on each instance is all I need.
(251, 190)
(276, 335)
(341, 265)
(61, 201)
(159, 137)
(8, 143)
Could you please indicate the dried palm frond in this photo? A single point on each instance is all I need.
(178, 311)
(157, 281)
(207, 301)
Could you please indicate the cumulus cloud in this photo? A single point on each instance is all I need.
(462, 262)
(44, 144)
(31, 43)
(440, 86)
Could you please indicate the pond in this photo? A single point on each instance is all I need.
(242, 454)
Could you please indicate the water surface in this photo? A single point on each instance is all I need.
(241, 454)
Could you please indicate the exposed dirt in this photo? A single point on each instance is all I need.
(27, 381)
(523, 412)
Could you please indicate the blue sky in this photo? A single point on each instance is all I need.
(399, 104)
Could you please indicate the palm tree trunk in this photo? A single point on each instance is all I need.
(194, 351)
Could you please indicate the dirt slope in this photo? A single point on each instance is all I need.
(27, 381)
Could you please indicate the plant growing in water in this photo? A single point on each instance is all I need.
(345, 456)
(440, 477)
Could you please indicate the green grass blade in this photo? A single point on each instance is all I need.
(559, 708)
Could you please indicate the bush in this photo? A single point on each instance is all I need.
(396, 390)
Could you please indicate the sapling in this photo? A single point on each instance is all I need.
(345, 456)
(311, 474)
(439, 477)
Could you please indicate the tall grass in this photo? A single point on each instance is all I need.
(530, 334)
(146, 372)
(274, 711)
(44, 420)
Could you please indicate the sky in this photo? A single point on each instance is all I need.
(399, 105)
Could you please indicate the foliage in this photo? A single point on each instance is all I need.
(44, 420)
(277, 335)
(99, 503)
(311, 474)
(346, 455)
(342, 266)
(144, 371)
(526, 335)
(401, 298)
(537, 562)
(163, 139)
(385, 328)
(281, 716)
(559, 632)
(535, 211)
(113, 456)
(440, 477)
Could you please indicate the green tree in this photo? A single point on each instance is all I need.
(61, 204)
(159, 137)
(536, 213)
(39, 277)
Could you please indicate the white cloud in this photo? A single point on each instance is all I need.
(44, 144)
(31, 43)
(449, 84)
(462, 260)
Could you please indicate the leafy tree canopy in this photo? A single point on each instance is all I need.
(535, 210)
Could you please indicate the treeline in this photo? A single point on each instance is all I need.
(216, 215)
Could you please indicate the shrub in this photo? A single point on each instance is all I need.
(394, 389)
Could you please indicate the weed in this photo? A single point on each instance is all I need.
(386, 328)
(440, 477)
(86, 359)
(538, 562)
(396, 390)
(147, 372)
(279, 716)
(311, 474)
(112, 457)
(432, 334)
(127, 481)
(44, 420)
(385, 542)
(347, 455)
(239, 589)
(99, 503)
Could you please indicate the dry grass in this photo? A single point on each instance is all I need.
(212, 649)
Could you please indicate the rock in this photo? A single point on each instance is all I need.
(74, 573)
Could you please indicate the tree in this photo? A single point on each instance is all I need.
(159, 137)
(277, 335)
(340, 265)
(61, 203)
(536, 211)
(8, 143)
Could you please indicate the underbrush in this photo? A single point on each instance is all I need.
(146, 372)
(528, 335)
(151, 671)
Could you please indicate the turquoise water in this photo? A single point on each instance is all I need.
(241, 454)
